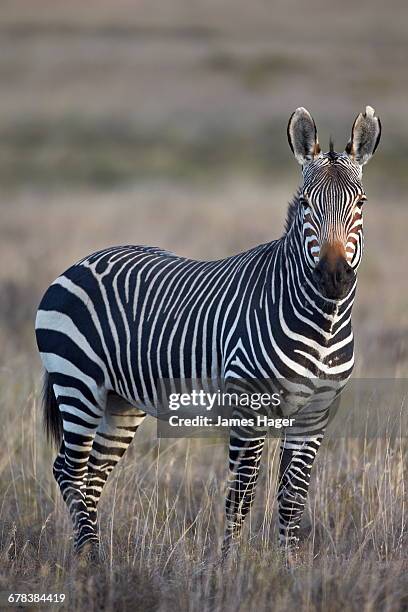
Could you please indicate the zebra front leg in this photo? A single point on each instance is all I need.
(296, 461)
(113, 437)
(244, 459)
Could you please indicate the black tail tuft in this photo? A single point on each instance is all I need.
(52, 415)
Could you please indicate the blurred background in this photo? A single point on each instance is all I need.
(164, 123)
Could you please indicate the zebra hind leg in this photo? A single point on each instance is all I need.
(113, 436)
(296, 461)
(80, 418)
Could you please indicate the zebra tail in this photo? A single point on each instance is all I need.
(52, 415)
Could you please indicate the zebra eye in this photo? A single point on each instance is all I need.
(360, 202)
(303, 202)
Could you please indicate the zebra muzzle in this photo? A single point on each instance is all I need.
(334, 279)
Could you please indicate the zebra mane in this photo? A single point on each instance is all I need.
(332, 155)
(292, 211)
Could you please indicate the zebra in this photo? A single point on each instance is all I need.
(122, 319)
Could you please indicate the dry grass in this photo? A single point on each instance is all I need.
(162, 519)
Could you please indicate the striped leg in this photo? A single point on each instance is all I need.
(244, 459)
(296, 461)
(80, 421)
(113, 437)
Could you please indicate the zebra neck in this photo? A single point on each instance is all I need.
(296, 296)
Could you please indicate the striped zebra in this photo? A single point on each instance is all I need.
(121, 320)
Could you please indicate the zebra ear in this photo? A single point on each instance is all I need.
(365, 136)
(302, 136)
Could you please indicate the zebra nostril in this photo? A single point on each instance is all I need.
(318, 274)
(343, 272)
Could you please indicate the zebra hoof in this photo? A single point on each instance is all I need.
(291, 556)
(229, 550)
(89, 554)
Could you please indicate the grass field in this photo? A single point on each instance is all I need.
(165, 125)
(162, 521)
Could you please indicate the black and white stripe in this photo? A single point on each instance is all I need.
(121, 320)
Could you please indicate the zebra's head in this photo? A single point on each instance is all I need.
(331, 199)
